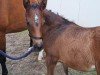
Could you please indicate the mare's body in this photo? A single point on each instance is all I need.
(12, 19)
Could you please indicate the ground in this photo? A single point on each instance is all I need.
(17, 44)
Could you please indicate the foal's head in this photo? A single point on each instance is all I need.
(34, 18)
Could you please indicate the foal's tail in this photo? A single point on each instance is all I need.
(97, 31)
(97, 36)
(96, 50)
(96, 44)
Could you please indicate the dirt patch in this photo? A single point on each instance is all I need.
(18, 43)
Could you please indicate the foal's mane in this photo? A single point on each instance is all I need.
(51, 17)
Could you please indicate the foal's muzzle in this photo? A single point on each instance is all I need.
(38, 48)
(37, 43)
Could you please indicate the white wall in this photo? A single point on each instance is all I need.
(83, 12)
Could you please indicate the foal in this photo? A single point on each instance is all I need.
(64, 41)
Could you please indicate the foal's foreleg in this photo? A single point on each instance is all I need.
(2, 58)
(40, 56)
(50, 63)
(31, 42)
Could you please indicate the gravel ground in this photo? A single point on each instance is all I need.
(17, 44)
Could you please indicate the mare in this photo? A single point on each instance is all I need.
(64, 41)
(12, 19)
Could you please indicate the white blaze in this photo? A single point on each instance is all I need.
(36, 18)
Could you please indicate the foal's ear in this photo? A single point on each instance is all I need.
(26, 3)
(43, 4)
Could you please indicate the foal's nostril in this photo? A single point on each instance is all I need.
(38, 44)
(38, 47)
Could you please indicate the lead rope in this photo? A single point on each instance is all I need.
(30, 50)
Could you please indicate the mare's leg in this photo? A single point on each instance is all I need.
(4, 68)
(50, 63)
(2, 58)
(31, 42)
(65, 69)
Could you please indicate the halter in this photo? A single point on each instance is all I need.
(34, 37)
